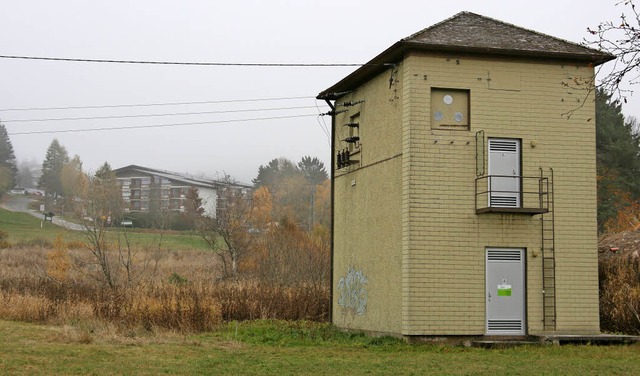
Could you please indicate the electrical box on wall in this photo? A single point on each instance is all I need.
(449, 109)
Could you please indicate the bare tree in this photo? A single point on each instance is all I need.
(229, 233)
(292, 256)
(116, 262)
(620, 38)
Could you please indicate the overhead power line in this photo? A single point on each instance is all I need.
(158, 125)
(152, 104)
(159, 115)
(219, 64)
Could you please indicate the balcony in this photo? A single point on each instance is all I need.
(512, 194)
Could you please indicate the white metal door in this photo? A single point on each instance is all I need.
(504, 173)
(505, 291)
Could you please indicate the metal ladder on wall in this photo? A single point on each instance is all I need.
(548, 250)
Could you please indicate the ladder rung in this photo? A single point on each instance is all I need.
(548, 248)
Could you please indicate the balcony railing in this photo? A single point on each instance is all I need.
(512, 194)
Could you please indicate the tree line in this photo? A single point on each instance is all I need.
(300, 192)
(281, 224)
(617, 166)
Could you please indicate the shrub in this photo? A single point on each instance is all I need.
(620, 294)
(165, 221)
(4, 243)
(177, 279)
(34, 243)
(58, 260)
(31, 290)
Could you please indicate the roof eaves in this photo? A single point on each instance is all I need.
(597, 57)
(183, 178)
(383, 61)
(396, 52)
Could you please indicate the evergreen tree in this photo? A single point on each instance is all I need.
(313, 170)
(8, 167)
(193, 209)
(105, 172)
(315, 173)
(618, 158)
(51, 178)
(274, 172)
(292, 187)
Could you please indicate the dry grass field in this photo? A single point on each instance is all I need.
(175, 290)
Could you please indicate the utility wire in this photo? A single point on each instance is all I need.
(152, 104)
(158, 125)
(323, 125)
(159, 115)
(219, 64)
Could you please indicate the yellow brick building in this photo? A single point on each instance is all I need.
(464, 185)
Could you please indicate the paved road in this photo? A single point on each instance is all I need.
(21, 204)
(17, 204)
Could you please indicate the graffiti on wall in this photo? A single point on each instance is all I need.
(353, 291)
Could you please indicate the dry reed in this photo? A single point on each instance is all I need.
(180, 293)
(620, 294)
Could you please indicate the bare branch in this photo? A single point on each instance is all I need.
(620, 38)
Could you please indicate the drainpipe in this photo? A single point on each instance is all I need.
(332, 176)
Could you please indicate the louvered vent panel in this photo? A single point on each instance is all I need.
(504, 255)
(503, 145)
(502, 201)
(504, 325)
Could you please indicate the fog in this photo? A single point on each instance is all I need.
(237, 129)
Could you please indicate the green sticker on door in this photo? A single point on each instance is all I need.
(504, 289)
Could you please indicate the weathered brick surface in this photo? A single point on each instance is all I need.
(410, 223)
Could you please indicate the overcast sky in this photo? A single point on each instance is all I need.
(274, 31)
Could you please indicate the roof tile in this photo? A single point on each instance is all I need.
(470, 30)
(467, 32)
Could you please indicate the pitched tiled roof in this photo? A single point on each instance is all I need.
(468, 32)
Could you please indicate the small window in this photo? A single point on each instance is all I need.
(449, 109)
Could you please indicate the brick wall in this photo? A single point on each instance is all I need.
(405, 213)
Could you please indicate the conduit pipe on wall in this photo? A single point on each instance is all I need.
(332, 175)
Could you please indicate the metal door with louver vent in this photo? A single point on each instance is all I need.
(504, 173)
(505, 291)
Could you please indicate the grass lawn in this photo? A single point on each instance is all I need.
(281, 348)
(23, 227)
